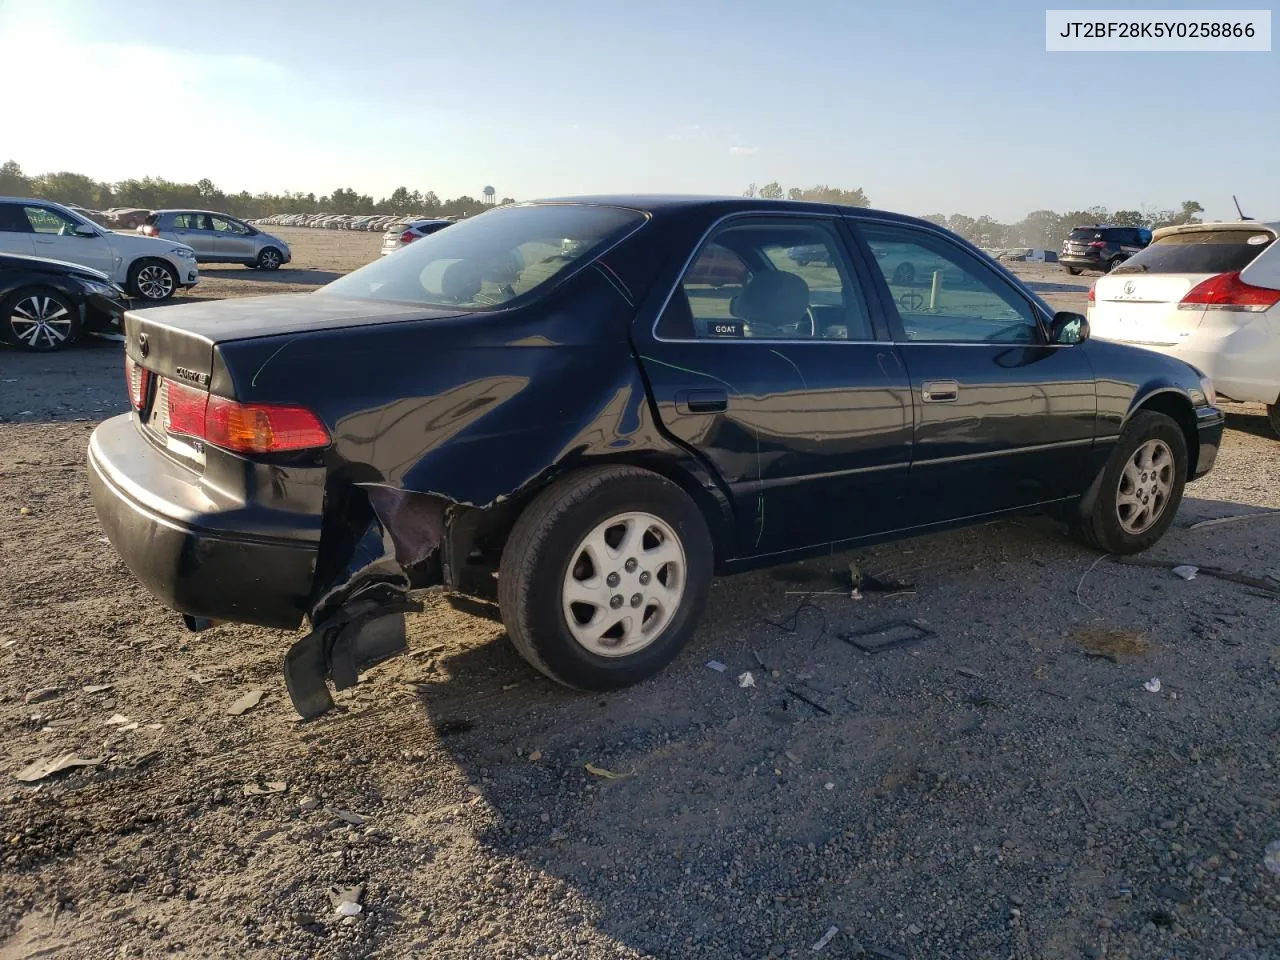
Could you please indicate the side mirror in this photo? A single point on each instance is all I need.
(1068, 329)
(84, 230)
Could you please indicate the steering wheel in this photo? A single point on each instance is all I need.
(785, 331)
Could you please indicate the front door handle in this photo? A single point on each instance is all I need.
(939, 391)
(701, 401)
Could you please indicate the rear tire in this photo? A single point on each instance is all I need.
(1273, 414)
(1141, 487)
(560, 549)
(39, 319)
(1114, 263)
(1074, 271)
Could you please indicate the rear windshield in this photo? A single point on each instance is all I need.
(1201, 251)
(1085, 233)
(488, 260)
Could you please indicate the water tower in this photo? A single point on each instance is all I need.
(490, 196)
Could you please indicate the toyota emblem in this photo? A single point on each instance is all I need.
(144, 346)
(1128, 289)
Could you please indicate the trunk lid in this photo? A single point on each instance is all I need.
(1143, 309)
(171, 352)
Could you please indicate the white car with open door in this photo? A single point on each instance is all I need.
(1206, 293)
(148, 268)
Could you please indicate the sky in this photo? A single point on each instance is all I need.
(949, 107)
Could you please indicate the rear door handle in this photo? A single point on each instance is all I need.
(701, 401)
(939, 391)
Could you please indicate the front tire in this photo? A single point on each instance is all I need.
(40, 320)
(1273, 415)
(270, 259)
(1074, 271)
(1141, 487)
(152, 280)
(604, 577)
(1114, 263)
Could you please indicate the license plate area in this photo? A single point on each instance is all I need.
(158, 425)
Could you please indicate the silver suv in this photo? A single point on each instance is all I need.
(218, 238)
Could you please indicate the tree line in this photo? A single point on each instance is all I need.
(156, 193)
(1039, 229)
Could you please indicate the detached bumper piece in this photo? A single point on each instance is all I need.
(362, 633)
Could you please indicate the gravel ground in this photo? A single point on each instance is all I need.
(1006, 786)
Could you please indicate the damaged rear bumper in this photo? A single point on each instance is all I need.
(162, 525)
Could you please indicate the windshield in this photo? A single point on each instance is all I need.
(1200, 251)
(491, 259)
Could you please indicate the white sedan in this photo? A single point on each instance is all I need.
(1209, 294)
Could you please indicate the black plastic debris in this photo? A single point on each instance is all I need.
(886, 636)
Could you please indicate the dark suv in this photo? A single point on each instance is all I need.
(1101, 247)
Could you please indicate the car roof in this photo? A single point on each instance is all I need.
(1242, 225)
(662, 203)
(212, 213)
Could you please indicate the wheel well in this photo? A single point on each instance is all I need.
(486, 529)
(1178, 408)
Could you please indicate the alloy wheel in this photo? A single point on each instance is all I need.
(155, 282)
(41, 322)
(1145, 487)
(625, 582)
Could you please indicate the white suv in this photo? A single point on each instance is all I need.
(147, 268)
(1209, 294)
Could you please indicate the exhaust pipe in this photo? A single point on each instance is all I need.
(198, 624)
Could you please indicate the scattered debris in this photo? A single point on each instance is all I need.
(1084, 576)
(825, 938)
(535, 756)
(595, 771)
(24, 511)
(1084, 803)
(1152, 685)
(828, 785)
(792, 757)
(199, 679)
(1271, 857)
(41, 695)
(1258, 583)
(47, 768)
(1112, 644)
(746, 680)
(1186, 571)
(245, 703)
(859, 581)
(346, 900)
(886, 635)
(307, 804)
(809, 700)
(117, 719)
(1240, 516)
(96, 688)
(971, 674)
(273, 786)
(716, 665)
(885, 954)
(346, 816)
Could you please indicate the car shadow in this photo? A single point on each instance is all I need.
(283, 275)
(1251, 421)
(704, 814)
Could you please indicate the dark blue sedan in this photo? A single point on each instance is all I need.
(586, 408)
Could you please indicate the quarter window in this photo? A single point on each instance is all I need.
(944, 295)
(770, 278)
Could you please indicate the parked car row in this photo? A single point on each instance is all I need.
(336, 221)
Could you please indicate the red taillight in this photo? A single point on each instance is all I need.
(1227, 291)
(1093, 298)
(137, 378)
(242, 427)
(408, 237)
(1098, 243)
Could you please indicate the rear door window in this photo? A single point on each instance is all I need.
(1200, 251)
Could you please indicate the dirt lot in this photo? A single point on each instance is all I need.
(1006, 787)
